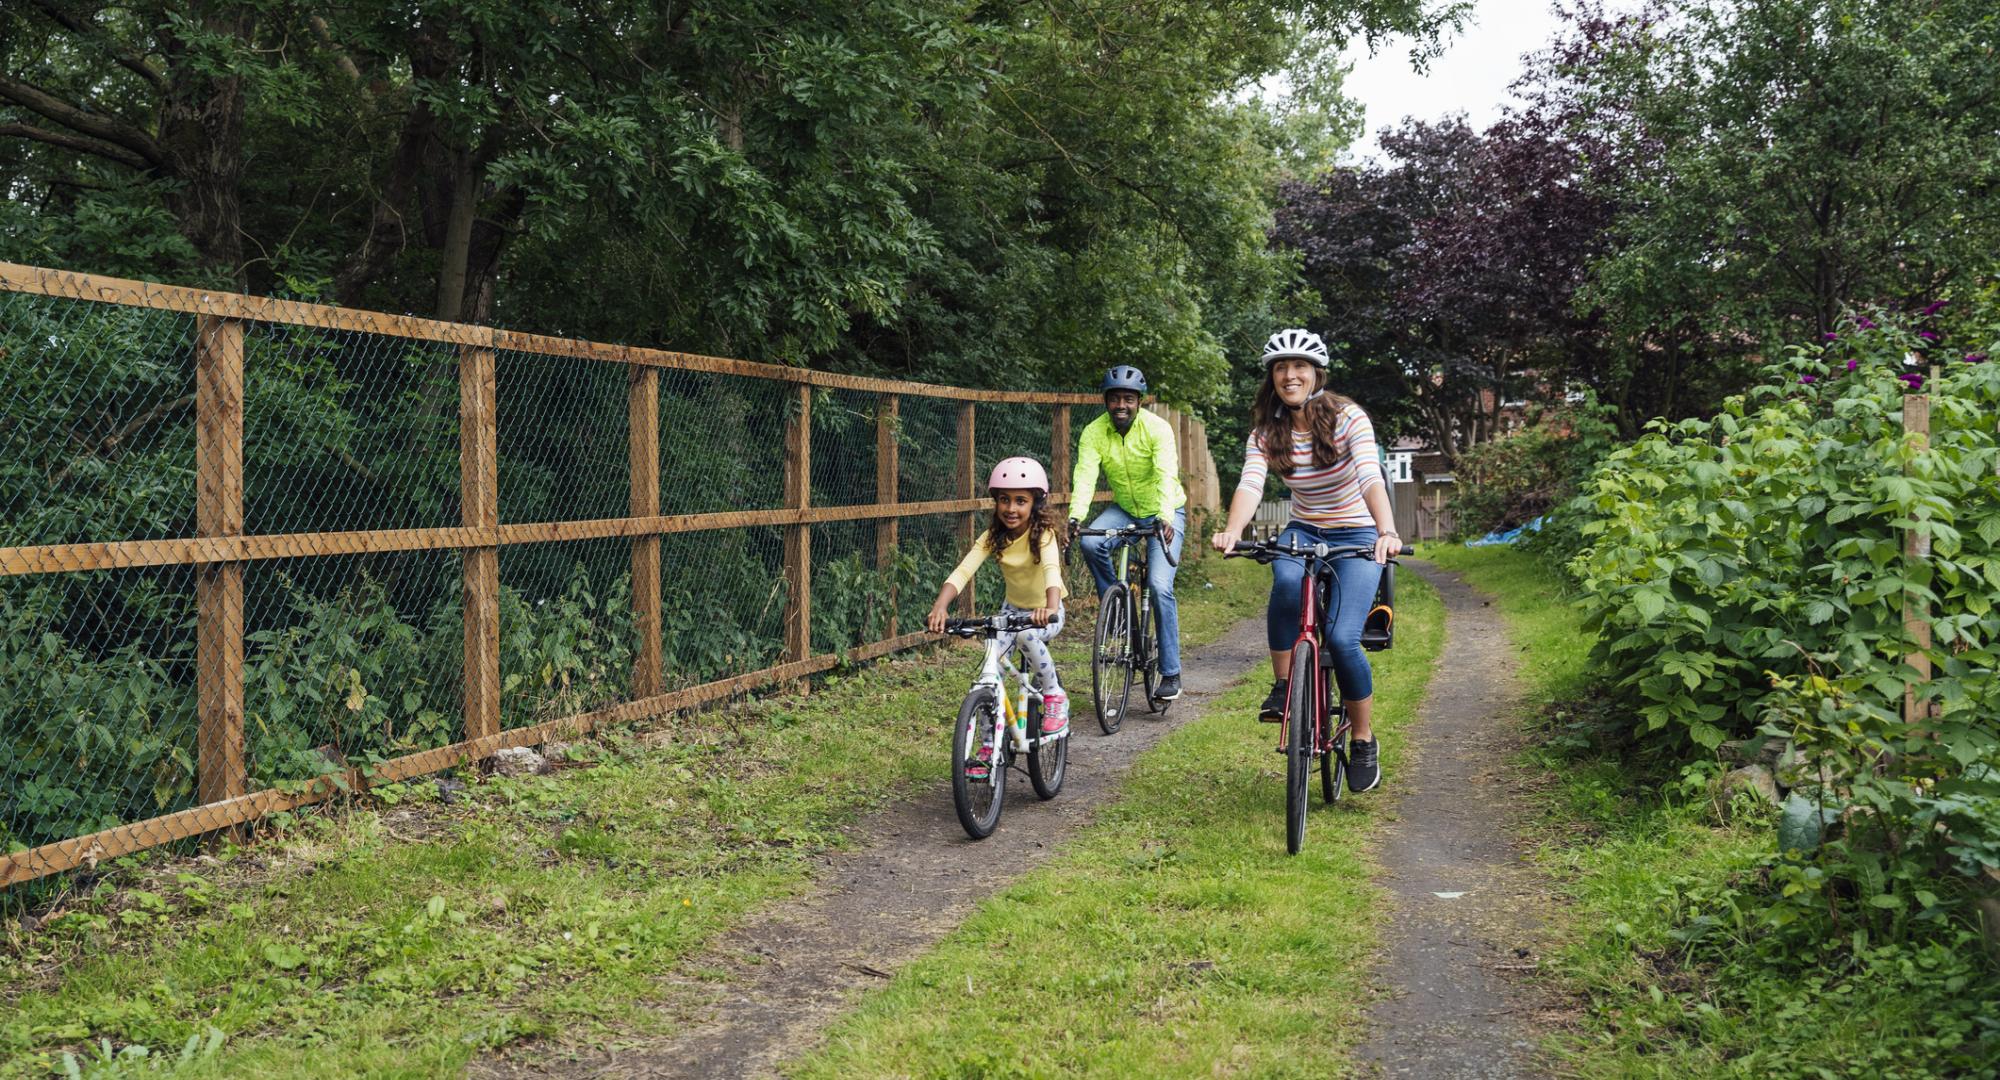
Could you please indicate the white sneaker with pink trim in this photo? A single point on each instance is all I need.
(1055, 712)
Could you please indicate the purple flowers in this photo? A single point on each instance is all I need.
(1853, 364)
(1934, 307)
(1928, 335)
(1829, 336)
(1975, 358)
(1864, 322)
(1808, 380)
(1912, 379)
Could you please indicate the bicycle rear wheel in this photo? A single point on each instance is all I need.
(1145, 649)
(1301, 723)
(1048, 758)
(1111, 662)
(1332, 765)
(978, 799)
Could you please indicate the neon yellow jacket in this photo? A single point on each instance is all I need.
(1143, 466)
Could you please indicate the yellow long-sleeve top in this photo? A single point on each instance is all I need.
(1028, 581)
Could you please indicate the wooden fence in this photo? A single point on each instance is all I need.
(220, 548)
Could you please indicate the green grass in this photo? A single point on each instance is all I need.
(402, 940)
(1644, 854)
(1174, 938)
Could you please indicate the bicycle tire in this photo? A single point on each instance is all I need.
(1300, 725)
(978, 803)
(1111, 661)
(1332, 770)
(1145, 657)
(1048, 759)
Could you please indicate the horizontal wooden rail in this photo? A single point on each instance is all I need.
(200, 551)
(122, 840)
(41, 281)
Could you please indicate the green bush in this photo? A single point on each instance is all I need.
(1746, 577)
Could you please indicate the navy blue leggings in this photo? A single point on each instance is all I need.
(1352, 597)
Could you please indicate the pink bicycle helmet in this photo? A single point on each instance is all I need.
(1019, 472)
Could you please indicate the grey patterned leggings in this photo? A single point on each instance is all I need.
(1034, 645)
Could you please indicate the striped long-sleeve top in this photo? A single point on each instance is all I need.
(1329, 496)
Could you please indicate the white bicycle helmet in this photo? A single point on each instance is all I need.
(1303, 344)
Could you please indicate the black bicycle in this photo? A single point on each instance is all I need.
(1125, 628)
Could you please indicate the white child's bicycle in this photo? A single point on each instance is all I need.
(999, 726)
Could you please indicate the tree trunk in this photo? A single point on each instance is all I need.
(464, 206)
(390, 225)
(201, 135)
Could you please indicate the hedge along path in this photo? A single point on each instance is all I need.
(225, 547)
(1464, 897)
(913, 879)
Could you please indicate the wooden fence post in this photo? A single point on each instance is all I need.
(218, 456)
(479, 500)
(888, 458)
(798, 538)
(1059, 462)
(1916, 549)
(968, 488)
(643, 409)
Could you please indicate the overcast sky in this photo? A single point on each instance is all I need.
(1471, 77)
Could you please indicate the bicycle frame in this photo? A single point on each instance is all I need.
(997, 671)
(1326, 737)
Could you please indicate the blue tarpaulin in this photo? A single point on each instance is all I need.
(1507, 537)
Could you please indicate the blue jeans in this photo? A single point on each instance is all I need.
(1348, 606)
(1159, 574)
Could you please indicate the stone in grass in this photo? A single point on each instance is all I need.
(1754, 780)
(1802, 821)
(1762, 750)
(518, 761)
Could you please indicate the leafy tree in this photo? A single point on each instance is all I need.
(1448, 276)
(1776, 159)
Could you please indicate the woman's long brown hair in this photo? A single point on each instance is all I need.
(1041, 521)
(1271, 419)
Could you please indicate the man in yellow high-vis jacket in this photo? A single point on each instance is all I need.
(1136, 452)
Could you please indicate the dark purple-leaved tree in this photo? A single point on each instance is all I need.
(1449, 274)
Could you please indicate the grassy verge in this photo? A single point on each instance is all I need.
(1664, 946)
(402, 939)
(1175, 938)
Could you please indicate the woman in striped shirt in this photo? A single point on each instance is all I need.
(1323, 446)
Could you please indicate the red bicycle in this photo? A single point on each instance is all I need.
(1315, 723)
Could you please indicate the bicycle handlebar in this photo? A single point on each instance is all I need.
(1002, 623)
(1265, 551)
(1135, 531)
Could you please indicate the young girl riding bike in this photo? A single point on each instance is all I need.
(1023, 536)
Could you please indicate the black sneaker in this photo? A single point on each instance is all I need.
(1364, 773)
(1274, 705)
(1169, 688)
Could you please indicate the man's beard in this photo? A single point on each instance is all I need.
(1124, 425)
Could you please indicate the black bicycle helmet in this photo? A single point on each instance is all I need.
(1125, 377)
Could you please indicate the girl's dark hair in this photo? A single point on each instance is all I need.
(1042, 520)
(1271, 419)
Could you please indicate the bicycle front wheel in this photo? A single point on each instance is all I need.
(978, 798)
(1111, 662)
(1048, 756)
(1301, 723)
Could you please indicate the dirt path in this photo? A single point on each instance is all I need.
(1465, 901)
(912, 878)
